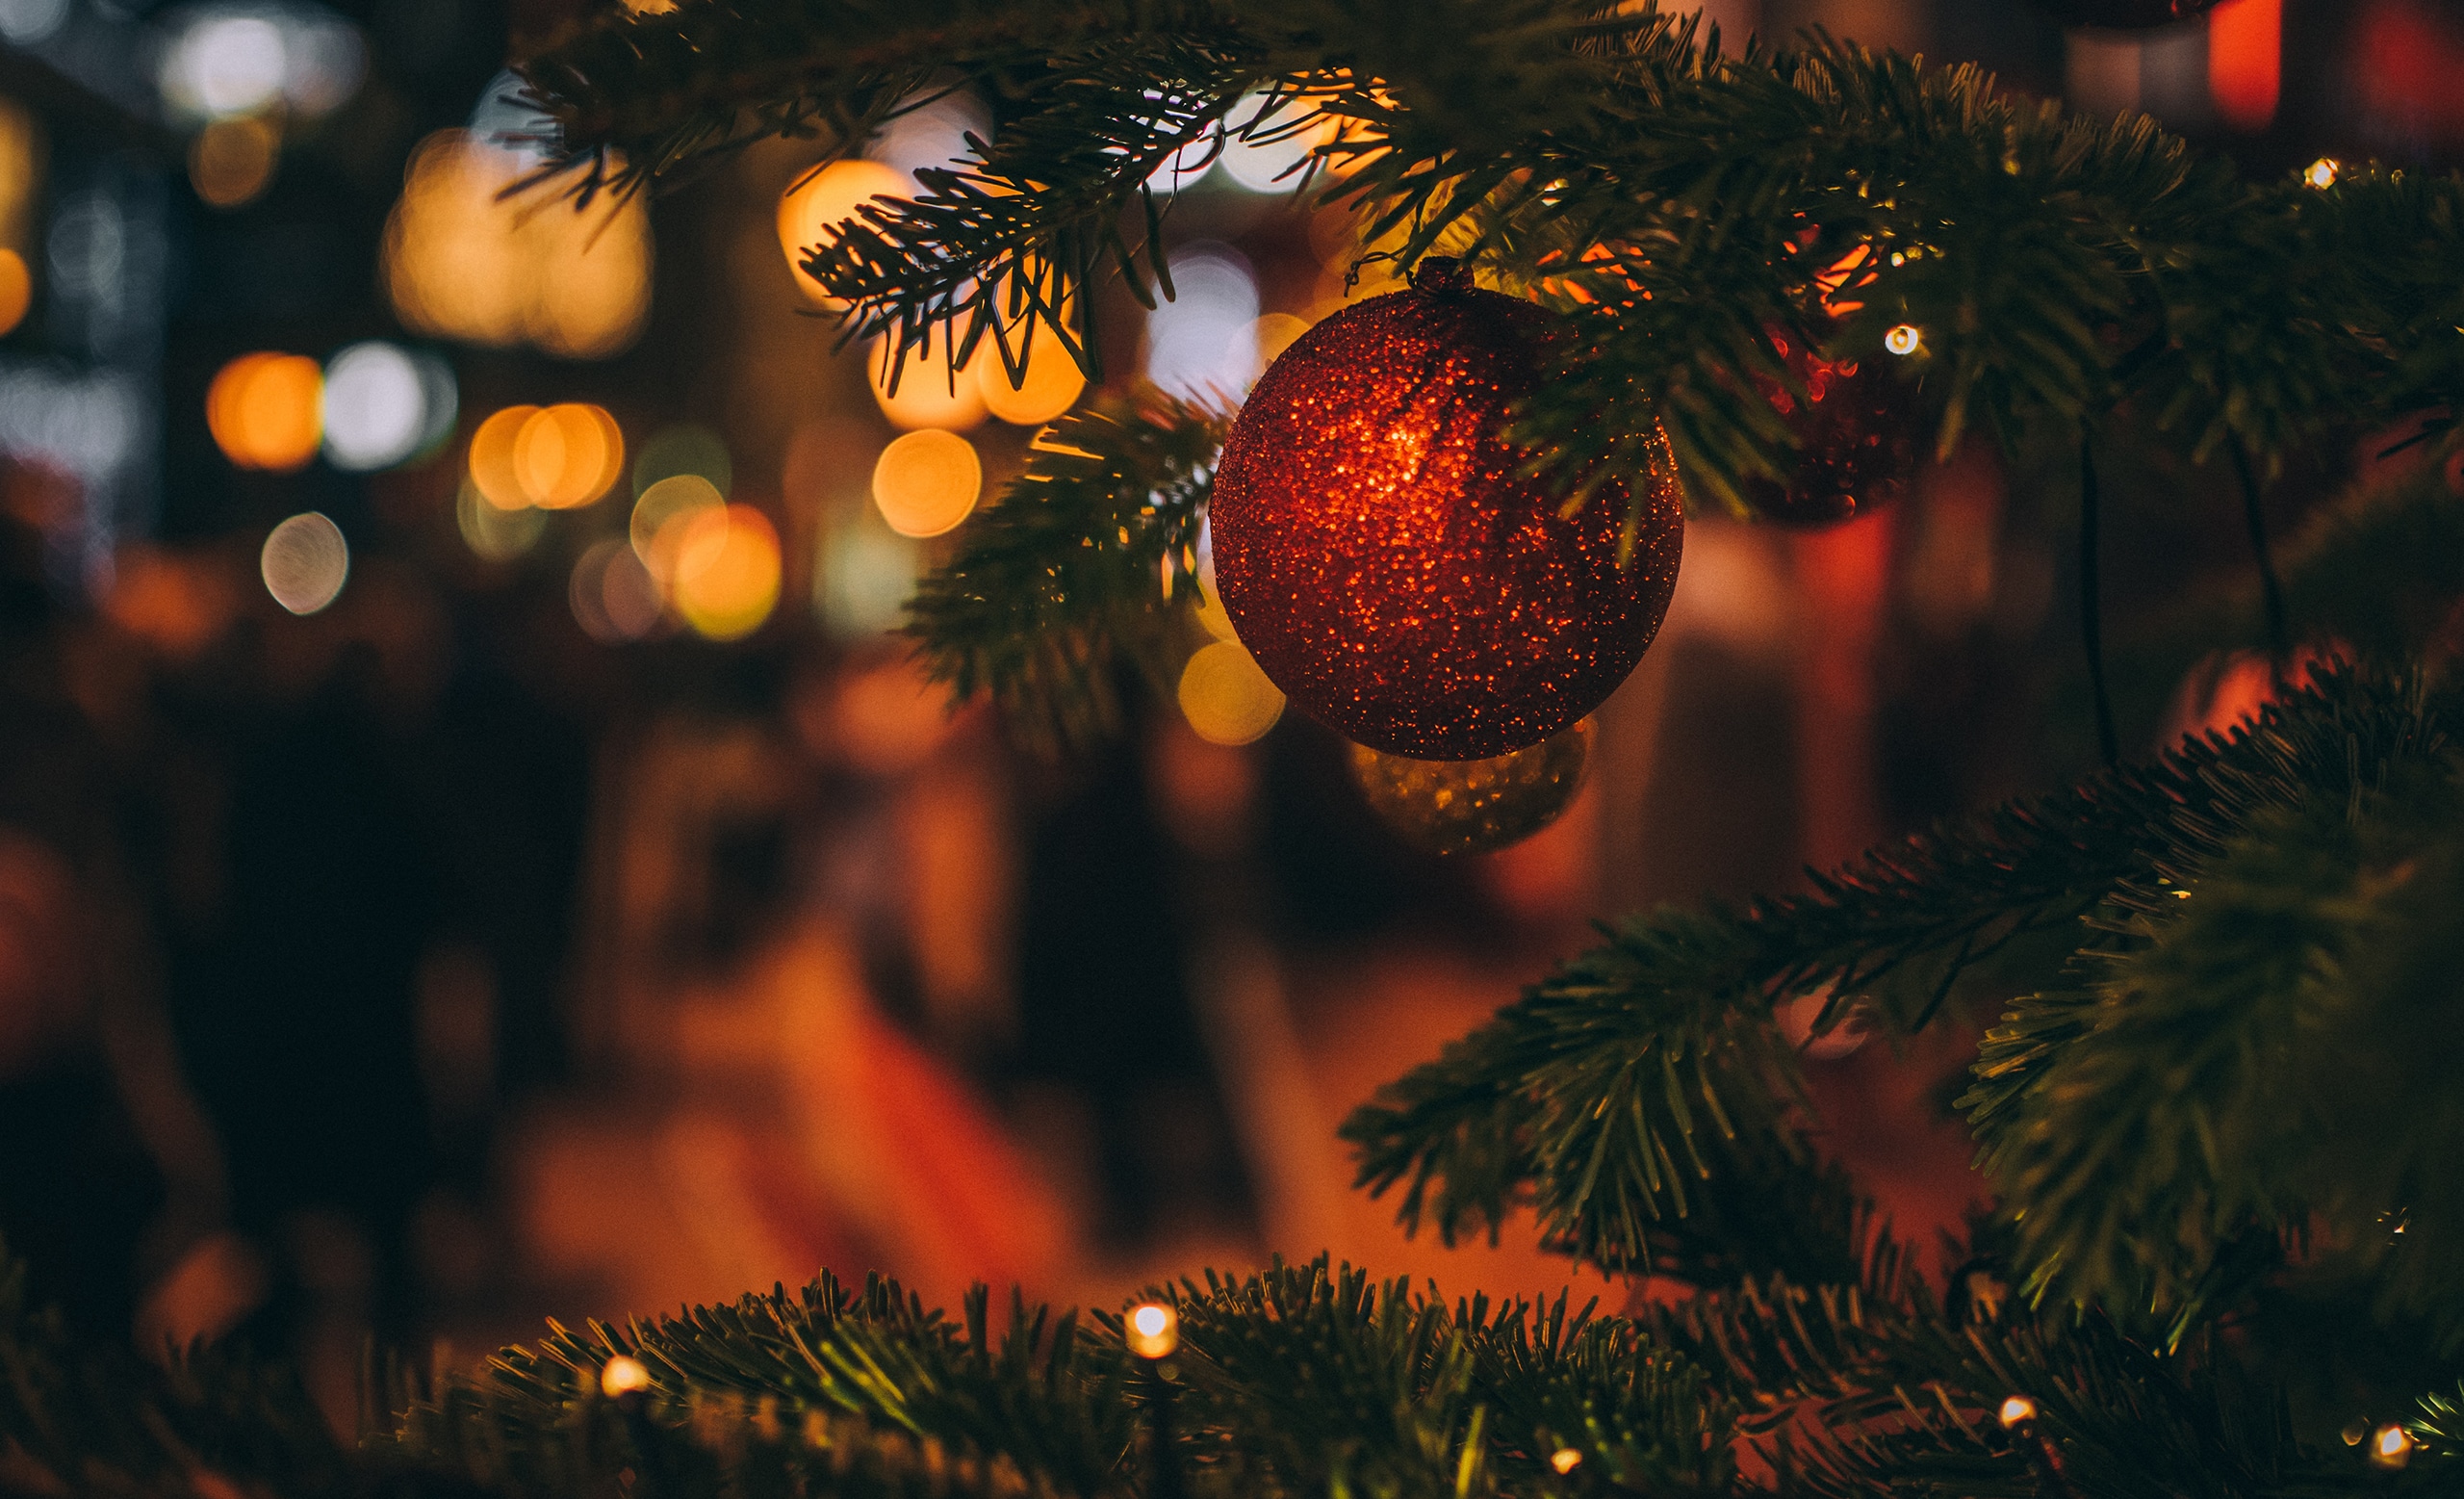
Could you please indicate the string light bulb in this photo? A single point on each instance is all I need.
(2321, 174)
(2018, 1410)
(1565, 1459)
(1904, 340)
(1152, 1330)
(2391, 1447)
(623, 1376)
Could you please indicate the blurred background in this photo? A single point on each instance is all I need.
(471, 849)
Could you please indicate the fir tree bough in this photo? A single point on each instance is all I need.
(2223, 1088)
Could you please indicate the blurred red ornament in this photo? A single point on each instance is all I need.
(1855, 435)
(2125, 14)
(1383, 558)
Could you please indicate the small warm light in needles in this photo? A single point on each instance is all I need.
(1153, 1330)
(622, 1376)
(2390, 1446)
(304, 563)
(1565, 1459)
(1904, 340)
(2018, 1410)
(2321, 174)
(926, 482)
(1225, 697)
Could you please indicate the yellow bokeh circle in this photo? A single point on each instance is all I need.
(1052, 385)
(726, 579)
(567, 455)
(265, 410)
(926, 482)
(929, 393)
(17, 289)
(493, 472)
(811, 212)
(1225, 697)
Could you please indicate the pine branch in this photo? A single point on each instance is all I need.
(1584, 1093)
(1038, 1397)
(1678, 201)
(2229, 1066)
(1088, 559)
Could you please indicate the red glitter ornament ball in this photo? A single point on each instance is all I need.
(1385, 561)
(1855, 439)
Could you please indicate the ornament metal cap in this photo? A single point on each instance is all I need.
(1439, 276)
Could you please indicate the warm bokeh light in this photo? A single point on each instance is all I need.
(1225, 697)
(231, 161)
(1565, 1459)
(726, 579)
(463, 263)
(17, 289)
(683, 448)
(622, 1376)
(567, 454)
(2321, 174)
(1211, 614)
(1276, 332)
(492, 465)
(1904, 340)
(1052, 387)
(493, 535)
(1152, 1330)
(264, 410)
(926, 482)
(2017, 1409)
(21, 163)
(2391, 1447)
(2246, 60)
(304, 563)
(612, 597)
(811, 211)
(383, 405)
(928, 395)
(657, 514)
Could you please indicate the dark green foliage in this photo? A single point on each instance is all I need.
(1675, 200)
(1087, 557)
(2226, 1091)
(1592, 1090)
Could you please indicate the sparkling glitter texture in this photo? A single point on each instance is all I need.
(1475, 805)
(1381, 556)
(1855, 439)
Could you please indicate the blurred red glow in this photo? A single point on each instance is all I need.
(2405, 61)
(2246, 60)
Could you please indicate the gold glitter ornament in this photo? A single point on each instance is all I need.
(1384, 557)
(1476, 806)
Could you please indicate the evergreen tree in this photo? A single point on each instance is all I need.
(2218, 1109)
